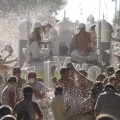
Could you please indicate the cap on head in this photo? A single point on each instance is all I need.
(37, 25)
(16, 70)
(81, 25)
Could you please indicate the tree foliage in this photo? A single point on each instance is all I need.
(16, 5)
(116, 19)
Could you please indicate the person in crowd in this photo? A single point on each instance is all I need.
(72, 72)
(58, 105)
(54, 82)
(108, 102)
(4, 65)
(83, 93)
(8, 117)
(5, 110)
(39, 90)
(20, 83)
(116, 37)
(105, 117)
(83, 88)
(63, 81)
(31, 106)
(93, 35)
(88, 82)
(52, 70)
(91, 100)
(82, 82)
(9, 92)
(46, 30)
(117, 74)
(112, 80)
(109, 71)
(81, 46)
(37, 53)
(95, 92)
(73, 96)
(100, 78)
(84, 73)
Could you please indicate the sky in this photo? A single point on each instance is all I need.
(81, 9)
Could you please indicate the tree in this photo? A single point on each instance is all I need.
(18, 6)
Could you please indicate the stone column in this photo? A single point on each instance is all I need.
(46, 73)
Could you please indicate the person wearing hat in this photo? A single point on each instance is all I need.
(108, 102)
(20, 83)
(9, 93)
(110, 71)
(35, 43)
(81, 48)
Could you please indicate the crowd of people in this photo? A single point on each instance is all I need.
(75, 97)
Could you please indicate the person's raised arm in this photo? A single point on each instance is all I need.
(52, 70)
(4, 60)
(10, 61)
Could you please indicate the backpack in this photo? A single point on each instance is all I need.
(23, 114)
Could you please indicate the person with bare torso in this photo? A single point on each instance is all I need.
(81, 47)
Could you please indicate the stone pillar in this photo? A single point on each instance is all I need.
(46, 73)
